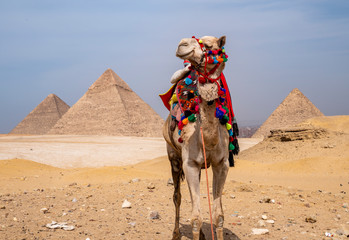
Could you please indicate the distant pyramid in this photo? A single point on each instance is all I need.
(294, 109)
(43, 117)
(110, 107)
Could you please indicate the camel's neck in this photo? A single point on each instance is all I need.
(209, 123)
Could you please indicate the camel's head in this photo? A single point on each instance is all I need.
(190, 49)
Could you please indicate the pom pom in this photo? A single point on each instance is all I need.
(185, 121)
(179, 132)
(215, 52)
(188, 81)
(192, 118)
(210, 60)
(210, 52)
(230, 132)
(227, 125)
(231, 147)
(215, 62)
(223, 120)
(222, 89)
(187, 113)
(224, 59)
(180, 125)
(219, 113)
(180, 140)
(182, 117)
(221, 99)
(197, 108)
(202, 80)
(220, 92)
(223, 50)
(200, 41)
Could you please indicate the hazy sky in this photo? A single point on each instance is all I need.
(62, 47)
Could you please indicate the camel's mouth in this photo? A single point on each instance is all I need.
(184, 55)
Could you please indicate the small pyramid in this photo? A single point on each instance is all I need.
(294, 109)
(43, 117)
(110, 107)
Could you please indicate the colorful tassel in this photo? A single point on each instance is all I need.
(192, 118)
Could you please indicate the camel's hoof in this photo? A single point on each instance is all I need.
(196, 230)
(219, 232)
(220, 221)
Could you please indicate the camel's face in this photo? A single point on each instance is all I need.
(189, 48)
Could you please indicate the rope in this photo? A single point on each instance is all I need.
(208, 189)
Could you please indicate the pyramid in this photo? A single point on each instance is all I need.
(110, 107)
(43, 117)
(294, 109)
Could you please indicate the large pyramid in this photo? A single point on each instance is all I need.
(43, 117)
(110, 107)
(294, 109)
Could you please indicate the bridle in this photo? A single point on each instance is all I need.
(218, 59)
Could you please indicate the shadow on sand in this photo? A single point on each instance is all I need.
(185, 230)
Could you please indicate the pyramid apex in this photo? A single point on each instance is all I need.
(52, 95)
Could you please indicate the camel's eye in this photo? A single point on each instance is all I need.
(208, 46)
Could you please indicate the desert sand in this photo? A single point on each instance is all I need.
(296, 189)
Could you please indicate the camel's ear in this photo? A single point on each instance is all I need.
(221, 41)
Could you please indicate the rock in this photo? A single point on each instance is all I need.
(133, 224)
(259, 231)
(44, 210)
(232, 196)
(2, 207)
(74, 200)
(170, 181)
(154, 215)
(345, 205)
(264, 217)
(310, 219)
(270, 221)
(245, 188)
(62, 225)
(261, 223)
(151, 186)
(135, 180)
(73, 184)
(267, 200)
(340, 232)
(126, 204)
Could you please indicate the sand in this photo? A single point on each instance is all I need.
(302, 186)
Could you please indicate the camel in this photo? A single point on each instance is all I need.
(186, 157)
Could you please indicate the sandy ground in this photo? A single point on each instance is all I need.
(87, 151)
(301, 188)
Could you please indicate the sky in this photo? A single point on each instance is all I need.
(274, 46)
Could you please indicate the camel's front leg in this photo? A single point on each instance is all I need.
(192, 173)
(220, 172)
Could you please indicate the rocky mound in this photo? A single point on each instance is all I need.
(317, 138)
